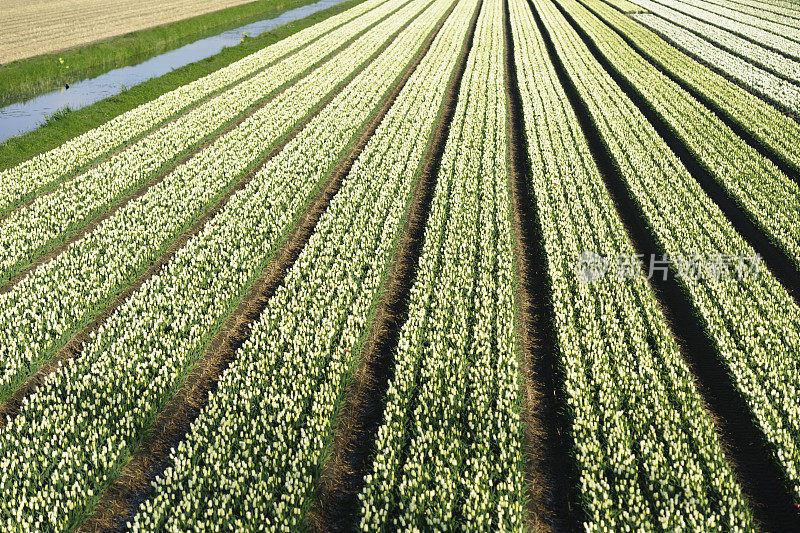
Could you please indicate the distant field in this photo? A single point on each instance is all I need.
(43, 26)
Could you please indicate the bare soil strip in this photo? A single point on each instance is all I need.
(787, 167)
(72, 349)
(92, 223)
(762, 479)
(342, 477)
(120, 501)
(550, 474)
(776, 260)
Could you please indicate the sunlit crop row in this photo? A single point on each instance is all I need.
(785, 9)
(48, 305)
(771, 198)
(68, 441)
(449, 449)
(752, 321)
(766, 11)
(272, 414)
(764, 57)
(774, 89)
(625, 6)
(716, 7)
(771, 127)
(26, 179)
(647, 453)
(773, 38)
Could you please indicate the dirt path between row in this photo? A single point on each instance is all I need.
(748, 453)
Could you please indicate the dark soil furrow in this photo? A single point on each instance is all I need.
(718, 70)
(769, 46)
(551, 479)
(748, 453)
(342, 478)
(731, 51)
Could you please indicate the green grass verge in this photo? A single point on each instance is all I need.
(25, 78)
(68, 124)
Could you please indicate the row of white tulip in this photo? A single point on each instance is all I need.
(30, 232)
(767, 124)
(752, 320)
(764, 57)
(771, 199)
(70, 438)
(775, 89)
(647, 453)
(788, 5)
(779, 7)
(41, 312)
(784, 93)
(784, 17)
(790, 31)
(449, 450)
(274, 412)
(35, 175)
(626, 6)
(778, 39)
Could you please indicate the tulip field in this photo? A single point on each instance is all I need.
(342, 283)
